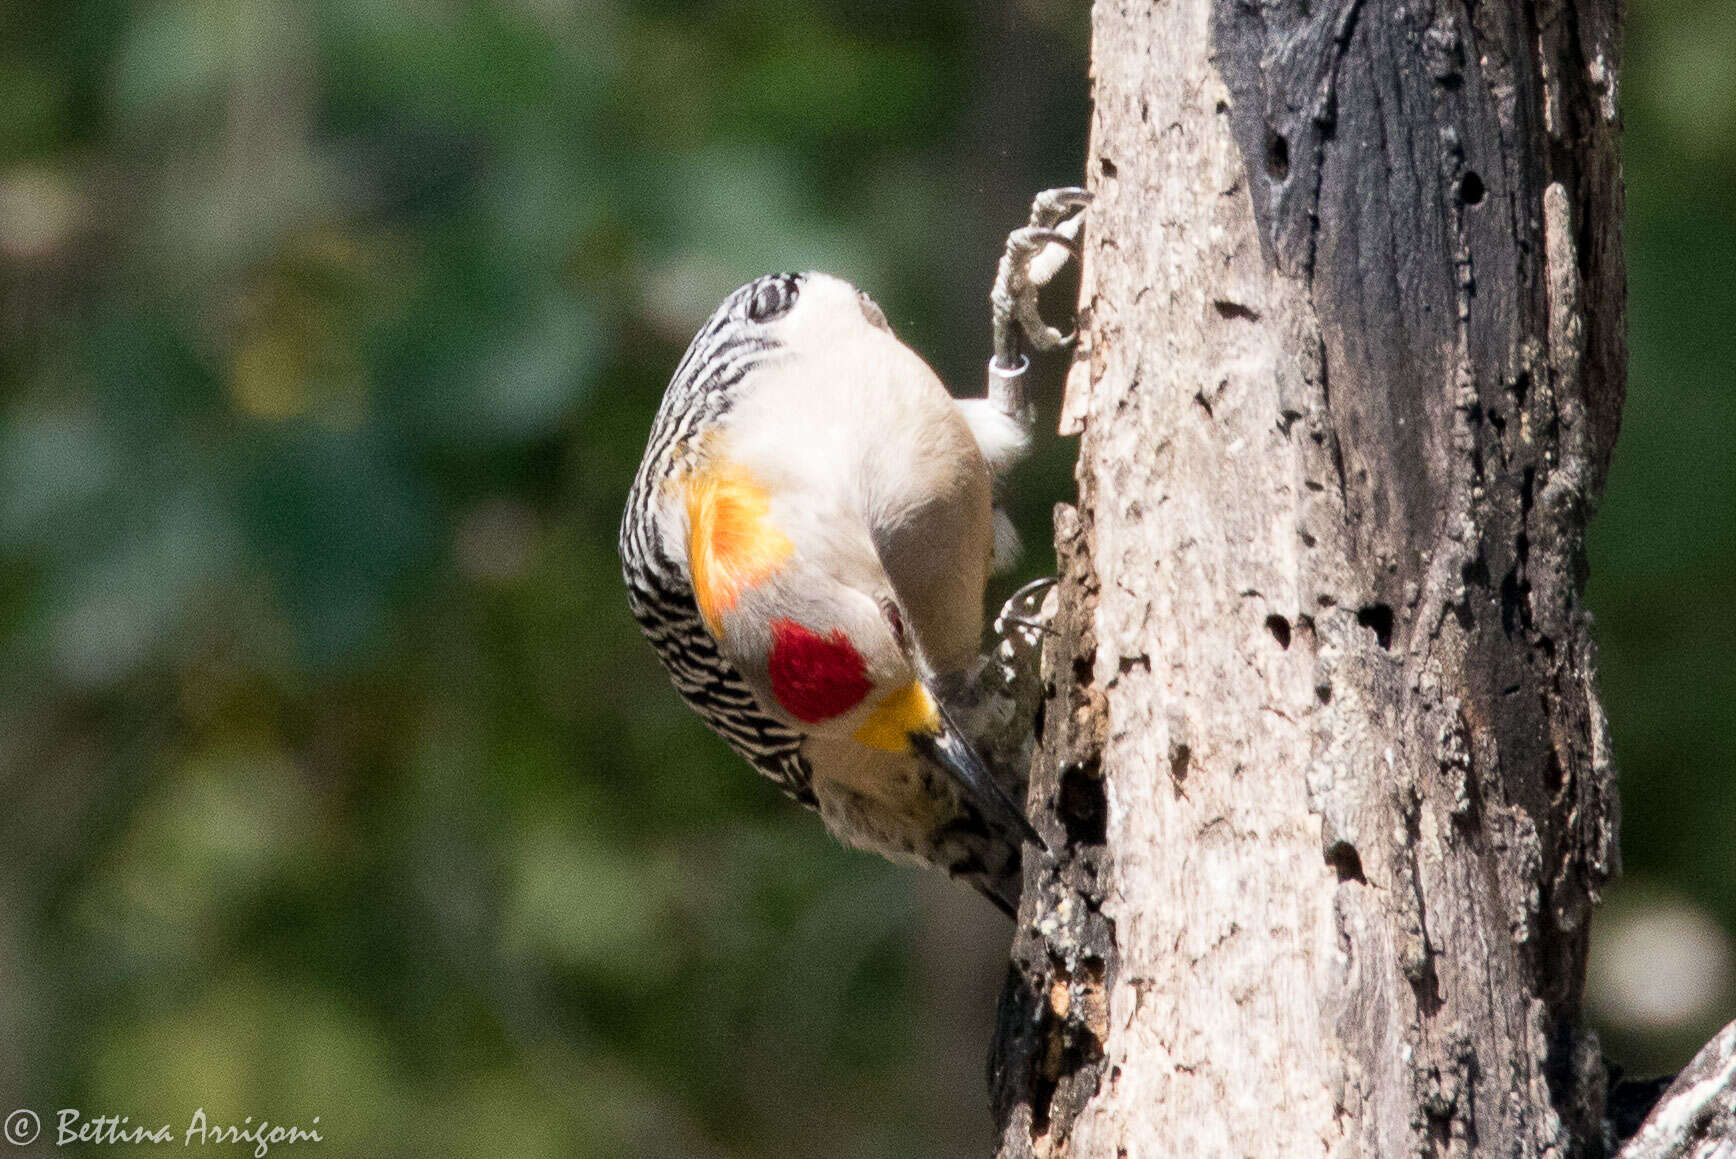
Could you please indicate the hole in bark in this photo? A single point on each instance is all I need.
(1377, 618)
(1179, 757)
(1277, 156)
(1515, 600)
(1083, 807)
(1085, 667)
(1042, 1098)
(1552, 774)
(1471, 188)
(1233, 310)
(1107, 167)
(1280, 629)
(1476, 573)
(1323, 692)
(1427, 986)
(1521, 386)
(1345, 861)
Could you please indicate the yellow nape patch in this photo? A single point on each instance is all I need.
(905, 711)
(732, 543)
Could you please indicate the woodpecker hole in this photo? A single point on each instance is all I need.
(1280, 629)
(1377, 618)
(1345, 861)
(1083, 805)
(1085, 667)
(1277, 156)
(1470, 188)
(1107, 167)
(1180, 756)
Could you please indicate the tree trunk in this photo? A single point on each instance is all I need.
(1323, 764)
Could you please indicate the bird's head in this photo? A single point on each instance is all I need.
(800, 309)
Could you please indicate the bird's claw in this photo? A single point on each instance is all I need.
(1051, 206)
(1024, 609)
(1035, 253)
(1020, 627)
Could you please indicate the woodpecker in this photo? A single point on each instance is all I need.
(806, 545)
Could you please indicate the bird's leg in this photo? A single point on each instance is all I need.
(1011, 677)
(1034, 254)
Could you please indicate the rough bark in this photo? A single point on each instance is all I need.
(1696, 1117)
(1323, 760)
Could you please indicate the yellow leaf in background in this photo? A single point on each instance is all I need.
(266, 376)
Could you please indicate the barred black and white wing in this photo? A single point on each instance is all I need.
(669, 616)
(659, 586)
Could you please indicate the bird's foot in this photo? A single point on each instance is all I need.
(1024, 618)
(1012, 677)
(1035, 253)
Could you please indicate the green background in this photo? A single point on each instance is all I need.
(338, 781)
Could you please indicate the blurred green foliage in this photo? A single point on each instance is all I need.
(340, 783)
(1663, 545)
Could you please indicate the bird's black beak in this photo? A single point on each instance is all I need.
(953, 754)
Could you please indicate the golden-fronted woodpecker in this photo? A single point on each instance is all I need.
(807, 542)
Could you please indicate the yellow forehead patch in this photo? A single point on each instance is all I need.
(905, 711)
(732, 543)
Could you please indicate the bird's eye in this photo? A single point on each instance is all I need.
(872, 311)
(895, 621)
(772, 298)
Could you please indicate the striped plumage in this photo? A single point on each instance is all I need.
(805, 546)
(659, 587)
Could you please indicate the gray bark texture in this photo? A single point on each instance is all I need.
(1322, 760)
(1696, 1117)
